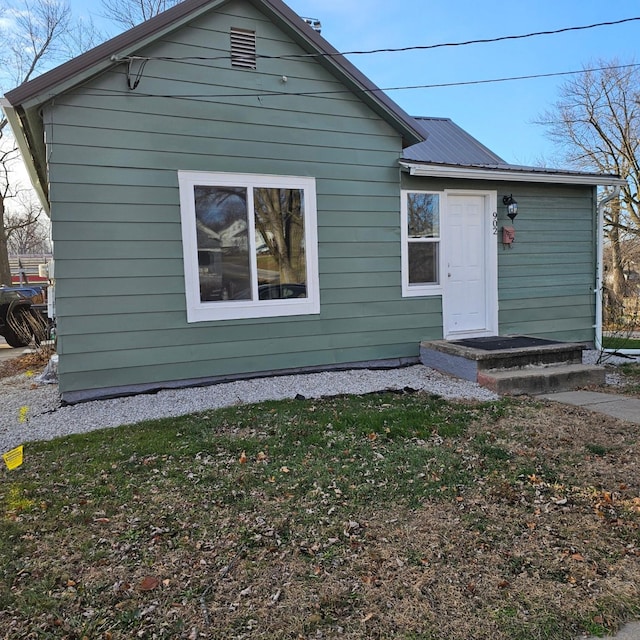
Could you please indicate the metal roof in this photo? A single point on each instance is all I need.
(447, 143)
(449, 151)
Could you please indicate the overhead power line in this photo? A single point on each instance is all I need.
(481, 41)
(424, 47)
(527, 77)
(266, 93)
(142, 61)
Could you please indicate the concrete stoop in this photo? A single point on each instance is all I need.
(544, 379)
(505, 366)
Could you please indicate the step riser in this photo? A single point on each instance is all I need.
(522, 360)
(528, 370)
(468, 369)
(446, 363)
(546, 382)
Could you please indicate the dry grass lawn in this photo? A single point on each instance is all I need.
(382, 516)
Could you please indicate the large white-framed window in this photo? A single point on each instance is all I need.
(421, 213)
(250, 245)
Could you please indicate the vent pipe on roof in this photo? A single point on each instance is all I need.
(314, 23)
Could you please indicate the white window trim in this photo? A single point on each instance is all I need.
(198, 311)
(414, 290)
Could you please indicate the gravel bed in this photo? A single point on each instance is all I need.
(597, 357)
(31, 410)
(612, 378)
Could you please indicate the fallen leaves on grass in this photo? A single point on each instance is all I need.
(508, 528)
(149, 583)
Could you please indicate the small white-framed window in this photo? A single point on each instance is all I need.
(421, 243)
(250, 245)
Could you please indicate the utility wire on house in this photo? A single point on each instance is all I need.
(267, 93)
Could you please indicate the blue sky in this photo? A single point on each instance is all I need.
(500, 115)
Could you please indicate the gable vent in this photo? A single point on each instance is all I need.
(243, 48)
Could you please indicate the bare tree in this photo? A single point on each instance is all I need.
(5, 158)
(596, 124)
(280, 222)
(35, 35)
(26, 227)
(129, 13)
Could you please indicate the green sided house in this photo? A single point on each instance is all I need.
(230, 197)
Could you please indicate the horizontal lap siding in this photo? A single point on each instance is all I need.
(546, 280)
(114, 157)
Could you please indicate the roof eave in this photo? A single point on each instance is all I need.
(38, 184)
(510, 175)
(105, 55)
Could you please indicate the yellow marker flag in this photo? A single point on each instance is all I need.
(13, 458)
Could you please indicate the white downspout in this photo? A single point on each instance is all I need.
(600, 266)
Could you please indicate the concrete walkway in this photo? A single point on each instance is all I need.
(630, 631)
(617, 406)
(611, 404)
(7, 352)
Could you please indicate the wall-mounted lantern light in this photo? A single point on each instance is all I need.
(509, 233)
(512, 206)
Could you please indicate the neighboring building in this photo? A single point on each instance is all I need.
(26, 268)
(199, 161)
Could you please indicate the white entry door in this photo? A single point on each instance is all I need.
(470, 307)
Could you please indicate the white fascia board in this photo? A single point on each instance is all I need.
(472, 173)
(25, 152)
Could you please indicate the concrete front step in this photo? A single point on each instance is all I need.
(508, 358)
(536, 380)
(539, 367)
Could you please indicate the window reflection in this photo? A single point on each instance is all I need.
(423, 235)
(423, 215)
(223, 242)
(225, 261)
(280, 250)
